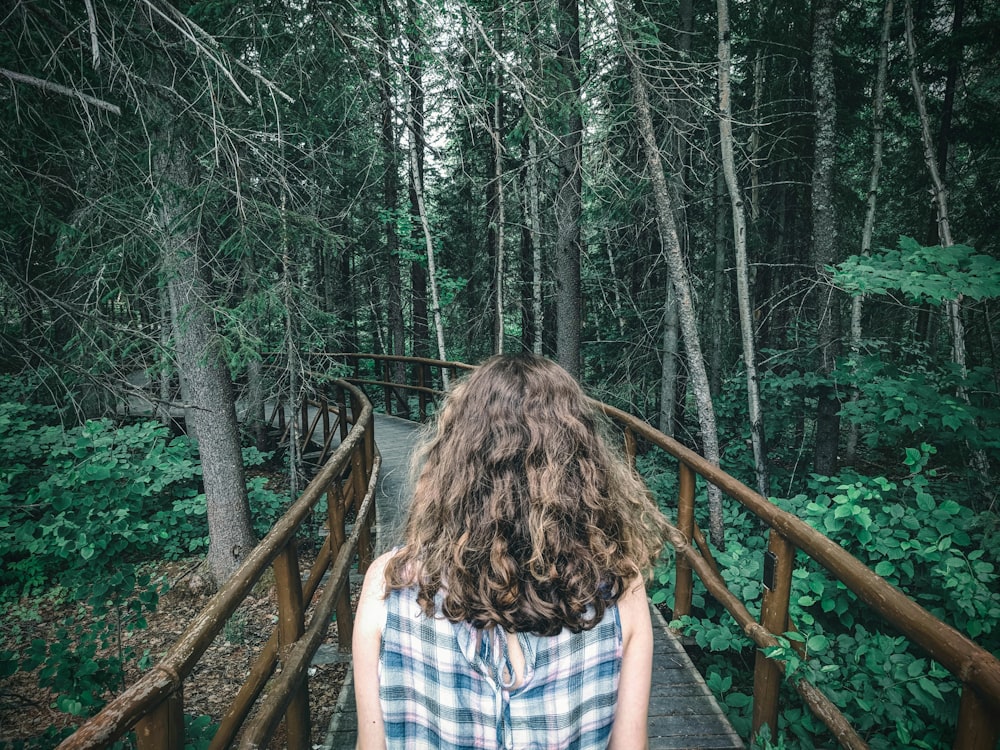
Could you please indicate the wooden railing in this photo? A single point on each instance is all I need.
(154, 705)
(394, 377)
(975, 668)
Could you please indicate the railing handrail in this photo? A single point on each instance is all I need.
(164, 679)
(975, 667)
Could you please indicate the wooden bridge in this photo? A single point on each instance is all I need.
(363, 476)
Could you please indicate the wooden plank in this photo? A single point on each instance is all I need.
(683, 713)
(343, 731)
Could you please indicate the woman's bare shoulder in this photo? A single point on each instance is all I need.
(375, 576)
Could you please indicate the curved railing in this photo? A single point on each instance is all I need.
(976, 669)
(154, 705)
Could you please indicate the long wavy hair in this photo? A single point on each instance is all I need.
(523, 516)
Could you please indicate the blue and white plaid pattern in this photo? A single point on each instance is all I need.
(441, 688)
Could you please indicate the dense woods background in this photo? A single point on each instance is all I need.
(768, 228)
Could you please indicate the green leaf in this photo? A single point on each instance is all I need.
(930, 687)
(818, 644)
(885, 568)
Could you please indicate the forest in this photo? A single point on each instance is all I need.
(767, 229)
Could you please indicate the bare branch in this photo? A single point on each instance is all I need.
(208, 53)
(92, 18)
(212, 40)
(60, 89)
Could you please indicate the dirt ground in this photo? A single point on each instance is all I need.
(26, 710)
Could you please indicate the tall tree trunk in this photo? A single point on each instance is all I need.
(390, 198)
(979, 460)
(256, 413)
(527, 251)
(295, 389)
(824, 242)
(537, 310)
(166, 365)
(532, 213)
(878, 127)
(255, 416)
(758, 96)
(211, 410)
(940, 193)
(495, 193)
(418, 190)
(950, 85)
(720, 287)
(740, 240)
(671, 405)
(415, 120)
(569, 200)
(669, 366)
(680, 281)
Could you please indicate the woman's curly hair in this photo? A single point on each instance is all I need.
(523, 516)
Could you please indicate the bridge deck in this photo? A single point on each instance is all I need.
(683, 713)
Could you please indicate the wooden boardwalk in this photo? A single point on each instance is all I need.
(683, 713)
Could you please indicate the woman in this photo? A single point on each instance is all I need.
(514, 614)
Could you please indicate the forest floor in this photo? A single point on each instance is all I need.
(27, 709)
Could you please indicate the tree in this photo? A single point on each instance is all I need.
(878, 126)
(679, 280)
(824, 231)
(740, 242)
(568, 199)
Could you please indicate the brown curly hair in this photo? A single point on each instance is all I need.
(523, 516)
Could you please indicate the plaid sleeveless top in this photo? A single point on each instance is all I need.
(442, 684)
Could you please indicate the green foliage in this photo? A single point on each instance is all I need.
(76, 502)
(910, 528)
(902, 402)
(923, 274)
(903, 398)
(933, 549)
(198, 732)
(266, 506)
(81, 508)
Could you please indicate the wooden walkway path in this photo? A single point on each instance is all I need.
(683, 713)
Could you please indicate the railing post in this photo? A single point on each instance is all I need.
(387, 389)
(778, 563)
(978, 726)
(335, 512)
(325, 406)
(291, 626)
(421, 394)
(359, 478)
(163, 727)
(683, 577)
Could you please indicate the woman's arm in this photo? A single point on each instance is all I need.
(366, 644)
(630, 730)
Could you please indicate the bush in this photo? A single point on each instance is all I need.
(908, 528)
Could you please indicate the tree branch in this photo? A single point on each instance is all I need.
(59, 89)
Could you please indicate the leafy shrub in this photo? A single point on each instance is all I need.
(909, 529)
(76, 502)
(77, 516)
